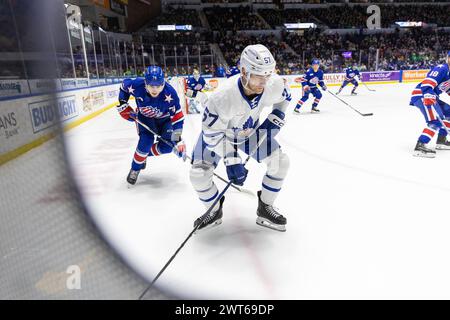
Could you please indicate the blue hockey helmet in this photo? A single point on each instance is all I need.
(154, 76)
(315, 61)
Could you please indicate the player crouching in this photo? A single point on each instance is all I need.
(312, 78)
(231, 123)
(436, 112)
(351, 76)
(158, 108)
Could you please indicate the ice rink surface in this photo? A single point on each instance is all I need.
(366, 219)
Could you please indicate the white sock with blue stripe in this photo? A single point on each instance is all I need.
(277, 168)
(201, 176)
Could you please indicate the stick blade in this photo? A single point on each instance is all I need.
(367, 114)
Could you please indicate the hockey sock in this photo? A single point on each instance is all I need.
(138, 160)
(316, 102)
(277, 168)
(427, 134)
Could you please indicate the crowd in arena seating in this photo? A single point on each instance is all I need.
(232, 46)
(241, 18)
(177, 16)
(435, 14)
(279, 17)
(338, 16)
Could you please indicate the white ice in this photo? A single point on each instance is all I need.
(366, 219)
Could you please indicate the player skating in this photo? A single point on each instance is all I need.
(351, 76)
(436, 112)
(311, 79)
(231, 123)
(195, 84)
(158, 107)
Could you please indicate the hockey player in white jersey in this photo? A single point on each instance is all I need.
(231, 123)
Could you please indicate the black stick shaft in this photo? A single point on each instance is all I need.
(348, 105)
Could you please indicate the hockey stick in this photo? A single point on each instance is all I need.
(189, 158)
(441, 121)
(365, 85)
(221, 194)
(363, 114)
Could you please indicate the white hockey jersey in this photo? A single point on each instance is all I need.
(230, 117)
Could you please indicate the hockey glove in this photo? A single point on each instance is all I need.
(429, 99)
(235, 170)
(324, 88)
(179, 147)
(273, 123)
(306, 89)
(126, 112)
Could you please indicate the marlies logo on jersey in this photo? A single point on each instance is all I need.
(247, 129)
(151, 112)
(248, 124)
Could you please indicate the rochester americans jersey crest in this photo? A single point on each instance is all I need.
(166, 104)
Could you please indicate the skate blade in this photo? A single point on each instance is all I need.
(443, 147)
(424, 155)
(212, 225)
(266, 223)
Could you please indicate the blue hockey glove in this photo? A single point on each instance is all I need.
(274, 121)
(235, 170)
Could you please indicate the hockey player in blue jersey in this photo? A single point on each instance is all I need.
(351, 76)
(311, 79)
(158, 107)
(436, 112)
(232, 71)
(220, 72)
(195, 84)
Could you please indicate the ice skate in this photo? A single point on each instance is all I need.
(422, 150)
(209, 220)
(442, 143)
(269, 217)
(132, 177)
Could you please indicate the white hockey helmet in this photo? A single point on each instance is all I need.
(257, 59)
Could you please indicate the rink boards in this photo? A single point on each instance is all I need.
(27, 122)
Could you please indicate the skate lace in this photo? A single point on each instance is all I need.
(134, 174)
(273, 211)
(206, 218)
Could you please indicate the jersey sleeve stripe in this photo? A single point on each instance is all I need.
(177, 117)
(429, 82)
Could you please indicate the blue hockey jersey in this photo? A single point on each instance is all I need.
(436, 82)
(166, 104)
(232, 71)
(195, 85)
(351, 73)
(312, 79)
